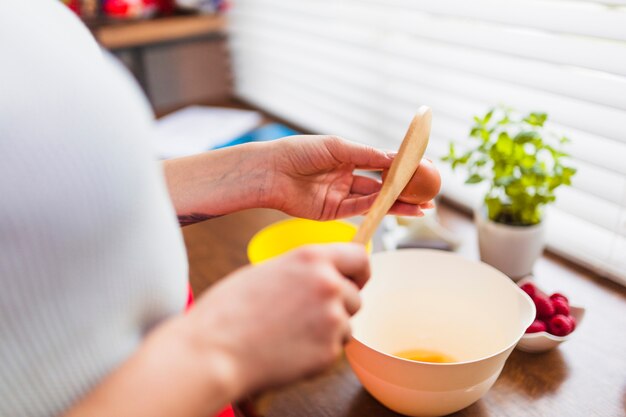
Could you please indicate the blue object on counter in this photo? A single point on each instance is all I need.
(268, 132)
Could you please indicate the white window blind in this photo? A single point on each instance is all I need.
(360, 68)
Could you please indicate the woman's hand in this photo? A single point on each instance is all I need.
(304, 176)
(286, 318)
(313, 177)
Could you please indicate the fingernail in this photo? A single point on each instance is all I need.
(391, 154)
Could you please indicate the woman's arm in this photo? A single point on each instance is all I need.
(304, 176)
(168, 376)
(219, 182)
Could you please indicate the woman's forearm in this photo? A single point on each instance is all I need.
(168, 376)
(219, 182)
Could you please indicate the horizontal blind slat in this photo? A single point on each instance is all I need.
(583, 242)
(552, 16)
(596, 211)
(373, 25)
(603, 2)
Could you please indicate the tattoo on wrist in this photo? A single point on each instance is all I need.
(192, 218)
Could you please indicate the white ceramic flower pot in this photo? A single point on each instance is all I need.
(511, 249)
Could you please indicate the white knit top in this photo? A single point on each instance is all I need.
(91, 256)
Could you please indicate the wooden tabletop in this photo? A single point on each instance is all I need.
(585, 376)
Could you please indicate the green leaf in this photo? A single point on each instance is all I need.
(528, 161)
(526, 136)
(474, 179)
(568, 173)
(536, 119)
(494, 207)
(488, 116)
(465, 157)
(504, 181)
(504, 144)
(515, 189)
(505, 120)
(452, 150)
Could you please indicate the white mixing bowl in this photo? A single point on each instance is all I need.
(438, 301)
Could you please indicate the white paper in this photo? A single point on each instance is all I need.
(197, 129)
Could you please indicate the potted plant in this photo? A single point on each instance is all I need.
(523, 163)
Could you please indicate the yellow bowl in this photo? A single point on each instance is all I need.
(286, 235)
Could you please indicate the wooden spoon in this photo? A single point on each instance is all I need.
(402, 169)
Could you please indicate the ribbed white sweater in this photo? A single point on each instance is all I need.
(91, 256)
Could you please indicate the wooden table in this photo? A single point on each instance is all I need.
(584, 377)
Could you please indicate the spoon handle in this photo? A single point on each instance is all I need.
(402, 169)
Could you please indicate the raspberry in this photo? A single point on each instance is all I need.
(560, 325)
(573, 320)
(529, 289)
(560, 306)
(559, 295)
(536, 327)
(545, 309)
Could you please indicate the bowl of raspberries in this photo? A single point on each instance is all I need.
(554, 323)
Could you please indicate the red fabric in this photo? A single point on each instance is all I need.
(189, 297)
(228, 411)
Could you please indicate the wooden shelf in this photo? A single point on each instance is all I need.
(120, 35)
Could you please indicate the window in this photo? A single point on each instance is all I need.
(361, 68)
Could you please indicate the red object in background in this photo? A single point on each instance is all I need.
(116, 8)
(74, 5)
(130, 9)
(150, 7)
(166, 7)
(224, 6)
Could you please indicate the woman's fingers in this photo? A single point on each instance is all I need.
(360, 204)
(351, 260)
(351, 297)
(362, 186)
(363, 193)
(362, 156)
(355, 205)
(365, 185)
(347, 333)
(404, 209)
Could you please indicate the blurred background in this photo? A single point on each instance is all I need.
(360, 69)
